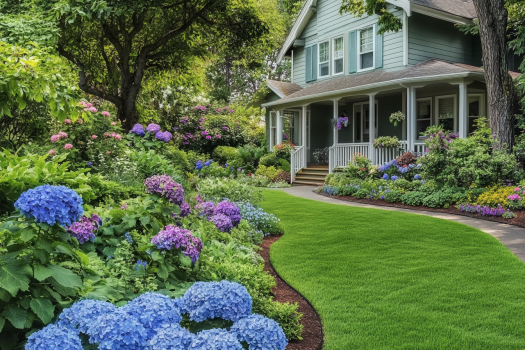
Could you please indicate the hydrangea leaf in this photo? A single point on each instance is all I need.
(65, 277)
(2, 323)
(83, 257)
(26, 234)
(145, 220)
(41, 272)
(16, 315)
(184, 260)
(4, 295)
(41, 255)
(14, 276)
(43, 308)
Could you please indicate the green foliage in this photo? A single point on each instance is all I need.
(232, 189)
(360, 168)
(178, 158)
(32, 74)
(394, 196)
(27, 27)
(270, 160)
(223, 154)
(150, 163)
(269, 172)
(285, 165)
(387, 21)
(414, 198)
(387, 142)
(438, 199)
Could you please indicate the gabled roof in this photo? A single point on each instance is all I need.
(433, 70)
(282, 88)
(456, 11)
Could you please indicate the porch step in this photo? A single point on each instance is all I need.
(312, 176)
(306, 183)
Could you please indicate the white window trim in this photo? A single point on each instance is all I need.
(482, 105)
(333, 55)
(436, 110)
(431, 114)
(319, 76)
(359, 30)
(272, 141)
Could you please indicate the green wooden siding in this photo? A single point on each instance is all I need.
(430, 37)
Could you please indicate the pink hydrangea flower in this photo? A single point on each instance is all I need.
(55, 138)
(94, 136)
(108, 152)
(92, 109)
(218, 136)
(67, 121)
(517, 189)
(113, 123)
(219, 110)
(51, 152)
(88, 105)
(62, 135)
(112, 134)
(105, 113)
(68, 146)
(118, 137)
(124, 206)
(231, 111)
(208, 137)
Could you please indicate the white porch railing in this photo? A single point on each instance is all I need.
(297, 161)
(342, 153)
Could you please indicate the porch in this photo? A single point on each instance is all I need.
(453, 101)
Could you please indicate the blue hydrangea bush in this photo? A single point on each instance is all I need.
(54, 337)
(266, 223)
(260, 333)
(215, 339)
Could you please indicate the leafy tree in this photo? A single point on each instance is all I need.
(114, 43)
(387, 21)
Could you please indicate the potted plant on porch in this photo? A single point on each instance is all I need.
(387, 142)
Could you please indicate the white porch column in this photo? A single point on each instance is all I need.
(463, 110)
(303, 126)
(336, 115)
(411, 117)
(279, 130)
(372, 125)
(404, 110)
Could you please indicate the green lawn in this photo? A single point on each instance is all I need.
(387, 280)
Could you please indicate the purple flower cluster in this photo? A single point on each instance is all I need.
(176, 237)
(341, 121)
(222, 222)
(230, 210)
(138, 130)
(163, 136)
(206, 209)
(165, 186)
(185, 210)
(83, 230)
(483, 210)
(439, 140)
(153, 128)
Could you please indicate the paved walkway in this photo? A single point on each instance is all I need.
(513, 237)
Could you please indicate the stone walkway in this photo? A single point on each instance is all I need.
(513, 237)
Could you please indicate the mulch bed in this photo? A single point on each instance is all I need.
(313, 331)
(519, 220)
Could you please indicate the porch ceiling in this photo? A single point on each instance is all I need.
(428, 72)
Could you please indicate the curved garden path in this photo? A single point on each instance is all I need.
(513, 237)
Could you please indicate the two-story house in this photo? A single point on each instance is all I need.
(341, 66)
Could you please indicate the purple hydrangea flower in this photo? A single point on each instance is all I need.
(165, 186)
(138, 130)
(176, 237)
(83, 230)
(206, 209)
(222, 222)
(164, 136)
(230, 210)
(153, 128)
(185, 209)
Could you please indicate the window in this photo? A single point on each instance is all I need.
(324, 57)
(366, 48)
(423, 115)
(475, 110)
(289, 127)
(446, 112)
(273, 129)
(338, 55)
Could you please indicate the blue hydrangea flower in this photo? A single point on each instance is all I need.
(258, 218)
(422, 182)
(260, 333)
(207, 164)
(215, 339)
(199, 165)
(128, 237)
(209, 300)
(138, 130)
(139, 264)
(51, 204)
(394, 178)
(53, 337)
(417, 177)
(153, 310)
(385, 177)
(78, 316)
(171, 337)
(117, 331)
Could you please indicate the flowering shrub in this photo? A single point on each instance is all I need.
(264, 222)
(393, 169)
(165, 186)
(170, 337)
(117, 331)
(176, 237)
(153, 310)
(185, 210)
(230, 210)
(212, 169)
(209, 300)
(222, 222)
(360, 167)
(206, 209)
(53, 337)
(284, 149)
(496, 195)
(79, 315)
(51, 204)
(215, 339)
(260, 333)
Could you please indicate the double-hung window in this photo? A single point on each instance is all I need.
(324, 59)
(338, 56)
(366, 48)
(423, 115)
(476, 109)
(446, 112)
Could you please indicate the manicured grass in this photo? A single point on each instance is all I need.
(387, 280)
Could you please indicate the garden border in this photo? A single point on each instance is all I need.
(278, 276)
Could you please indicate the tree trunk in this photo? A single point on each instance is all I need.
(127, 113)
(492, 17)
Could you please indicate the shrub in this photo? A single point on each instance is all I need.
(178, 158)
(360, 168)
(406, 158)
(394, 196)
(269, 172)
(285, 165)
(414, 198)
(495, 195)
(283, 176)
(270, 160)
(438, 199)
(232, 189)
(267, 223)
(225, 154)
(260, 333)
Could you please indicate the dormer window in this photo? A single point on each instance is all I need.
(338, 56)
(366, 48)
(324, 59)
